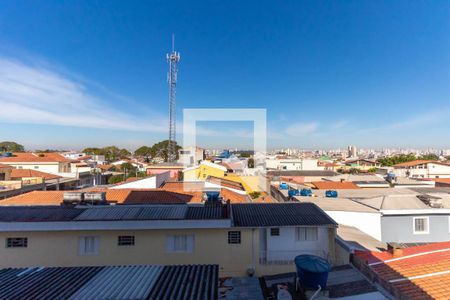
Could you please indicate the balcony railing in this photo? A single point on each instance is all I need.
(280, 257)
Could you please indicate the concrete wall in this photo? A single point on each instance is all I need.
(52, 168)
(400, 229)
(369, 223)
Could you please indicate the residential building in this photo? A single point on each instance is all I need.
(292, 164)
(191, 156)
(53, 163)
(151, 182)
(422, 169)
(421, 216)
(202, 171)
(241, 238)
(175, 169)
(5, 172)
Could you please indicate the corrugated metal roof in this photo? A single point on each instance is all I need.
(187, 282)
(173, 212)
(279, 214)
(206, 212)
(38, 214)
(121, 282)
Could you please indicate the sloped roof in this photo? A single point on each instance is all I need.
(334, 185)
(21, 173)
(414, 163)
(421, 272)
(279, 214)
(120, 196)
(3, 166)
(111, 282)
(34, 157)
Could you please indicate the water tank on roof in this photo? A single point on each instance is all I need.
(312, 270)
(284, 186)
(292, 193)
(212, 196)
(73, 197)
(331, 194)
(8, 154)
(306, 192)
(95, 197)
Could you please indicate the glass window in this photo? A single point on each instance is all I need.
(306, 233)
(125, 240)
(274, 231)
(421, 225)
(88, 245)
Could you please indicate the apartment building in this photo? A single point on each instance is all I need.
(241, 238)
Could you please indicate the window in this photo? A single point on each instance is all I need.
(234, 237)
(306, 233)
(88, 245)
(421, 225)
(125, 240)
(17, 242)
(274, 231)
(180, 243)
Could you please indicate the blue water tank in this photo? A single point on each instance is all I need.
(331, 194)
(212, 196)
(284, 186)
(312, 270)
(306, 192)
(8, 154)
(292, 193)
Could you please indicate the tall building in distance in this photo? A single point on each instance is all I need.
(352, 151)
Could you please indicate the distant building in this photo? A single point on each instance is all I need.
(422, 169)
(292, 164)
(191, 156)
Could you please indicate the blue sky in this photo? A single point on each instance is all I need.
(329, 73)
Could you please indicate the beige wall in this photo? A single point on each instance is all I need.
(57, 248)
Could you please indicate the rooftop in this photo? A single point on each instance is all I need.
(23, 173)
(112, 282)
(334, 185)
(279, 214)
(421, 272)
(314, 173)
(29, 157)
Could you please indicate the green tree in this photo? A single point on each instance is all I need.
(251, 163)
(160, 149)
(145, 152)
(396, 159)
(11, 147)
(111, 153)
(254, 195)
(429, 157)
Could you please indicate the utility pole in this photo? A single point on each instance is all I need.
(173, 58)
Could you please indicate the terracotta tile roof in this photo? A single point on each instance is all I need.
(105, 167)
(421, 272)
(3, 166)
(413, 163)
(334, 185)
(120, 196)
(21, 173)
(233, 196)
(226, 182)
(35, 198)
(34, 157)
(184, 186)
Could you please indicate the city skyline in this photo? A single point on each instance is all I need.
(329, 75)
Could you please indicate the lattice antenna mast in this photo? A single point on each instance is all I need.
(173, 58)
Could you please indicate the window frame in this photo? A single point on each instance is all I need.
(82, 245)
(126, 240)
(306, 234)
(13, 245)
(275, 231)
(173, 239)
(234, 237)
(427, 225)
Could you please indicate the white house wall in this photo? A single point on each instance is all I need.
(369, 223)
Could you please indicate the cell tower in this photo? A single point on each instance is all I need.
(173, 58)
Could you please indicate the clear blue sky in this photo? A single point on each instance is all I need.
(329, 73)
